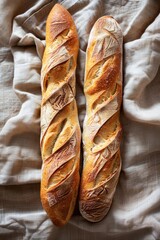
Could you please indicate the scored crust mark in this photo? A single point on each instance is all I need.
(58, 21)
(57, 195)
(102, 128)
(106, 77)
(59, 101)
(60, 64)
(61, 98)
(66, 153)
(110, 99)
(51, 107)
(58, 28)
(105, 169)
(60, 130)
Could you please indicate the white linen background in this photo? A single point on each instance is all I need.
(135, 212)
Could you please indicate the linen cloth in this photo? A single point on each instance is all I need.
(135, 212)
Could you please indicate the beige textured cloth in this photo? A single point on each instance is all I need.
(135, 212)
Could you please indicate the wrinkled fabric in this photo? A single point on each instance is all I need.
(135, 212)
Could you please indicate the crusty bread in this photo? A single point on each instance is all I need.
(102, 128)
(60, 131)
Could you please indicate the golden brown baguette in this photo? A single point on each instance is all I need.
(102, 128)
(60, 131)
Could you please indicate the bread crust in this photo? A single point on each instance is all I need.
(60, 130)
(102, 128)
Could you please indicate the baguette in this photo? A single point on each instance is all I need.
(102, 128)
(60, 130)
